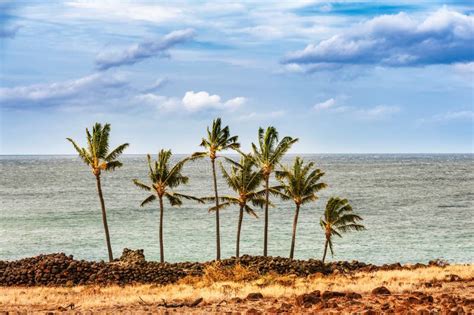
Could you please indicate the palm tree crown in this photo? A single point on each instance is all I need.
(299, 183)
(269, 151)
(218, 139)
(97, 154)
(244, 180)
(338, 218)
(163, 177)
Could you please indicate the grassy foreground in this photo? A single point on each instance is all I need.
(228, 290)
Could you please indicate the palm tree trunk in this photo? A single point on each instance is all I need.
(239, 227)
(293, 239)
(162, 254)
(265, 229)
(218, 232)
(325, 249)
(104, 218)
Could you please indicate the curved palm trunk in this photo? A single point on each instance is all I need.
(325, 249)
(162, 254)
(265, 229)
(218, 233)
(104, 218)
(239, 227)
(293, 239)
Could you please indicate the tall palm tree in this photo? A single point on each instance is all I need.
(218, 139)
(299, 183)
(98, 157)
(245, 181)
(267, 155)
(338, 219)
(163, 178)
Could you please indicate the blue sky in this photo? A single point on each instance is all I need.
(343, 76)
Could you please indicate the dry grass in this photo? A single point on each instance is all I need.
(218, 284)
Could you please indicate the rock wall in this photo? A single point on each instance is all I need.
(62, 270)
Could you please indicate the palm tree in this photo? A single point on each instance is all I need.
(98, 157)
(299, 183)
(267, 155)
(218, 139)
(164, 177)
(338, 219)
(244, 180)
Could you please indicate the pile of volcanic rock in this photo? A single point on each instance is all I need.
(283, 266)
(62, 270)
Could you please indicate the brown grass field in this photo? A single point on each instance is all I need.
(452, 288)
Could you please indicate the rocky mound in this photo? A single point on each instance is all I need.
(62, 270)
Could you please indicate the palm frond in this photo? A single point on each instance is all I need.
(102, 142)
(221, 198)
(187, 197)
(351, 227)
(148, 200)
(199, 155)
(173, 200)
(81, 152)
(112, 165)
(250, 211)
(330, 247)
(141, 185)
(116, 152)
(221, 206)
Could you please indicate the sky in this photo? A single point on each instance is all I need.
(342, 76)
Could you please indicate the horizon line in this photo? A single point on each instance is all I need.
(292, 154)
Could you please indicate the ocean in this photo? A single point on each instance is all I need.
(416, 207)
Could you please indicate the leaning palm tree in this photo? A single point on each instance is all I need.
(164, 177)
(338, 219)
(299, 183)
(245, 181)
(267, 155)
(218, 139)
(98, 157)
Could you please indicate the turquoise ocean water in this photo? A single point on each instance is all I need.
(416, 208)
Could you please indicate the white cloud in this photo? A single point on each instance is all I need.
(463, 115)
(378, 112)
(124, 10)
(158, 84)
(262, 116)
(195, 101)
(51, 93)
(465, 69)
(144, 50)
(235, 103)
(191, 102)
(325, 105)
(444, 37)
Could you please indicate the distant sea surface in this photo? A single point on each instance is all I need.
(415, 208)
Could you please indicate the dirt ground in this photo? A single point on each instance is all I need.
(445, 290)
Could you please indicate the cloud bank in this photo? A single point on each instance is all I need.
(144, 50)
(444, 37)
(52, 93)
